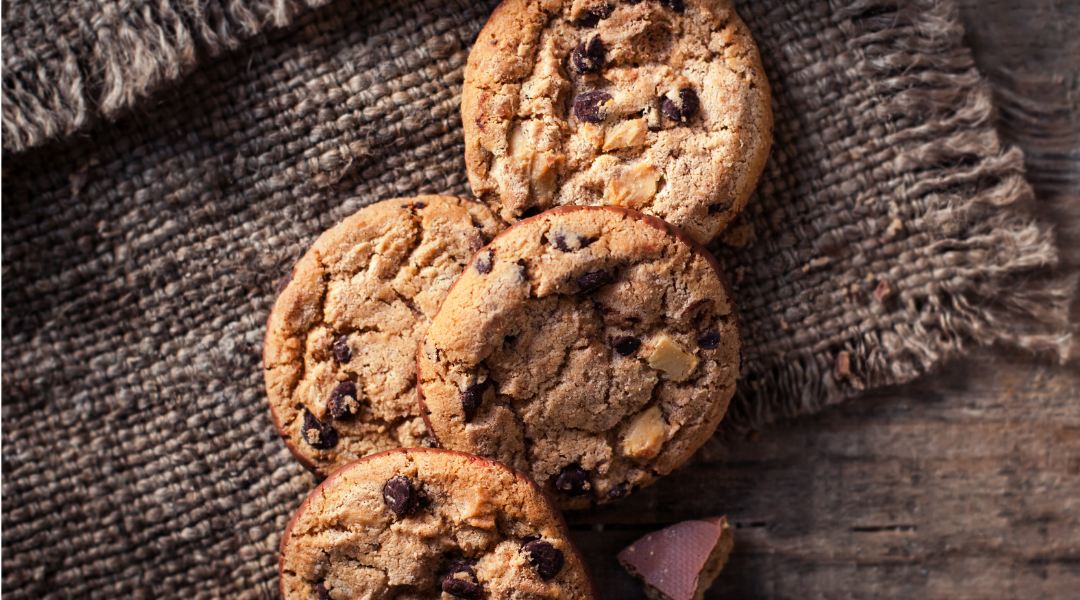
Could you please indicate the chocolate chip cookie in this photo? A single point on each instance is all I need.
(594, 348)
(340, 351)
(661, 106)
(422, 523)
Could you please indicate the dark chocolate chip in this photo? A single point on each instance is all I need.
(588, 107)
(399, 495)
(545, 558)
(343, 402)
(675, 5)
(626, 345)
(461, 587)
(419, 205)
(588, 57)
(721, 206)
(619, 491)
(320, 591)
(573, 480)
(709, 339)
(592, 16)
(582, 242)
(471, 399)
(592, 281)
(341, 349)
(485, 261)
(686, 107)
(317, 434)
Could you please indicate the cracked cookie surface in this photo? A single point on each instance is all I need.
(422, 524)
(340, 350)
(657, 106)
(593, 348)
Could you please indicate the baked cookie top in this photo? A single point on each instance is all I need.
(657, 106)
(340, 350)
(594, 348)
(423, 523)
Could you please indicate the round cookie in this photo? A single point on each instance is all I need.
(593, 348)
(423, 523)
(340, 350)
(660, 106)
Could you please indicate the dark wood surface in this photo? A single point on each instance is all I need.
(963, 485)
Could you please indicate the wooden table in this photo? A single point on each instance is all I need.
(963, 485)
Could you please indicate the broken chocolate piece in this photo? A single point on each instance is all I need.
(321, 592)
(588, 57)
(680, 562)
(317, 434)
(399, 495)
(471, 399)
(626, 345)
(595, 14)
(590, 282)
(341, 349)
(683, 107)
(460, 581)
(590, 106)
(343, 402)
(573, 480)
(545, 558)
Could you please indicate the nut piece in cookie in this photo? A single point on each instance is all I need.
(340, 349)
(680, 562)
(580, 353)
(427, 523)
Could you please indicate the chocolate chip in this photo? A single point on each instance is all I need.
(461, 587)
(317, 434)
(573, 480)
(588, 57)
(343, 402)
(471, 399)
(619, 491)
(593, 281)
(399, 495)
(562, 243)
(686, 107)
(593, 15)
(589, 108)
(675, 5)
(485, 261)
(545, 558)
(626, 345)
(341, 349)
(320, 591)
(419, 205)
(709, 339)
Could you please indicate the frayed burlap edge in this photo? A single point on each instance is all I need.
(1015, 297)
(113, 55)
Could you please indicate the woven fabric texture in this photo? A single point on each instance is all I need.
(141, 254)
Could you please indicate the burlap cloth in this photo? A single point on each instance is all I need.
(166, 163)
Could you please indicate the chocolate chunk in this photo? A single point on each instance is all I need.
(320, 591)
(485, 261)
(399, 495)
(592, 281)
(721, 206)
(626, 345)
(573, 480)
(341, 349)
(675, 5)
(594, 15)
(460, 581)
(709, 339)
(682, 561)
(588, 57)
(686, 107)
(419, 205)
(471, 399)
(343, 402)
(545, 558)
(589, 107)
(573, 243)
(317, 434)
(619, 491)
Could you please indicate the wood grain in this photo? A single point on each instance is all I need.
(963, 485)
